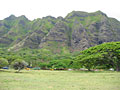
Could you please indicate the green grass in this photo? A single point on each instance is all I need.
(59, 80)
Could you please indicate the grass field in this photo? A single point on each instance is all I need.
(59, 80)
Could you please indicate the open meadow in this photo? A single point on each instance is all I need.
(59, 80)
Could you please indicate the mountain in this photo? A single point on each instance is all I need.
(77, 31)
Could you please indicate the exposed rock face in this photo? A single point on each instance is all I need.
(77, 31)
(56, 38)
(31, 41)
(79, 40)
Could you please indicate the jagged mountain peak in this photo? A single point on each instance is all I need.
(83, 14)
(99, 13)
(77, 31)
(49, 17)
(22, 17)
(77, 14)
(11, 17)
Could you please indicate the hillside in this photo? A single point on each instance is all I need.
(77, 31)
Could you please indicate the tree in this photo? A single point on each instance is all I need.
(3, 62)
(107, 54)
(89, 61)
(19, 64)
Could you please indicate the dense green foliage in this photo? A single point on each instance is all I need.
(106, 55)
(42, 58)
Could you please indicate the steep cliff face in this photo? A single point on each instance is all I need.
(81, 30)
(57, 38)
(79, 40)
(77, 31)
(39, 29)
(90, 29)
(13, 28)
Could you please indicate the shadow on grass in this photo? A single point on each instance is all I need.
(85, 71)
(13, 71)
(6, 71)
(82, 71)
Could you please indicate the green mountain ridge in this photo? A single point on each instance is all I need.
(77, 31)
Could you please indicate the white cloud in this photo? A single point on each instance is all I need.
(40, 8)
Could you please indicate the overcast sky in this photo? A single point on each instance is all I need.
(33, 9)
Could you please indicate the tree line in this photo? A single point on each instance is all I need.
(104, 56)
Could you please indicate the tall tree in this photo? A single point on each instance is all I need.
(105, 54)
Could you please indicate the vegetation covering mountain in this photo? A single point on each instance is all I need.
(77, 31)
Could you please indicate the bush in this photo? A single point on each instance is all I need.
(3, 62)
(43, 65)
(60, 66)
(19, 64)
(57, 64)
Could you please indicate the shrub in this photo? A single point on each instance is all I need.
(43, 65)
(57, 64)
(19, 64)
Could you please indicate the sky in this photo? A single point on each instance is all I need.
(33, 9)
